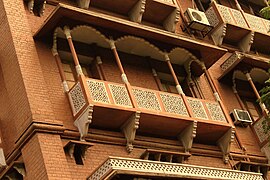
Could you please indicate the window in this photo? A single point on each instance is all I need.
(253, 108)
(70, 72)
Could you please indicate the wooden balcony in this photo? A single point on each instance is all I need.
(238, 29)
(159, 113)
(117, 166)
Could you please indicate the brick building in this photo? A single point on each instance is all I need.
(133, 89)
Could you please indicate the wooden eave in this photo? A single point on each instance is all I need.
(69, 15)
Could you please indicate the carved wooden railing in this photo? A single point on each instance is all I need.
(147, 100)
(114, 165)
(258, 127)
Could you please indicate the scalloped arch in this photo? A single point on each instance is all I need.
(188, 63)
(139, 46)
(257, 74)
(89, 35)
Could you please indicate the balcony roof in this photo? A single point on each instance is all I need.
(239, 61)
(69, 15)
(116, 166)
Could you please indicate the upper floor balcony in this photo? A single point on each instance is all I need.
(239, 29)
(144, 108)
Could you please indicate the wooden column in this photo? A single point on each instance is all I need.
(79, 71)
(157, 79)
(123, 74)
(238, 98)
(262, 105)
(178, 87)
(59, 64)
(100, 68)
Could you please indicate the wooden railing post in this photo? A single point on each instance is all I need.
(178, 86)
(59, 64)
(123, 74)
(78, 68)
(262, 105)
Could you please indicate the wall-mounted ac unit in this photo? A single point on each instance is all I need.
(197, 20)
(241, 117)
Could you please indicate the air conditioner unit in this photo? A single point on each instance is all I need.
(197, 20)
(241, 117)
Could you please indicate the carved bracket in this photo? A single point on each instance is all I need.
(225, 143)
(79, 146)
(129, 129)
(171, 20)
(136, 13)
(16, 170)
(246, 42)
(36, 6)
(84, 4)
(187, 136)
(82, 122)
(2, 158)
(219, 34)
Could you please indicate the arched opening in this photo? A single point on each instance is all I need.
(246, 93)
(87, 42)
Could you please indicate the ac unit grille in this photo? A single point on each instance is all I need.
(240, 117)
(243, 115)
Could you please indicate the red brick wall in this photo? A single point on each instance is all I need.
(44, 158)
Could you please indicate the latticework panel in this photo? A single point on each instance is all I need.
(146, 99)
(258, 127)
(266, 150)
(267, 25)
(255, 23)
(230, 61)
(174, 104)
(120, 95)
(76, 98)
(225, 13)
(98, 91)
(197, 108)
(215, 111)
(173, 169)
(240, 21)
(212, 17)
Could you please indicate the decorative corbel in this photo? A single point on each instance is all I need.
(30, 5)
(225, 143)
(187, 136)
(20, 168)
(219, 34)
(129, 129)
(84, 4)
(2, 158)
(136, 12)
(38, 7)
(16, 169)
(80, 146)
(82, 122)
(246, 42)
(171, 20)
